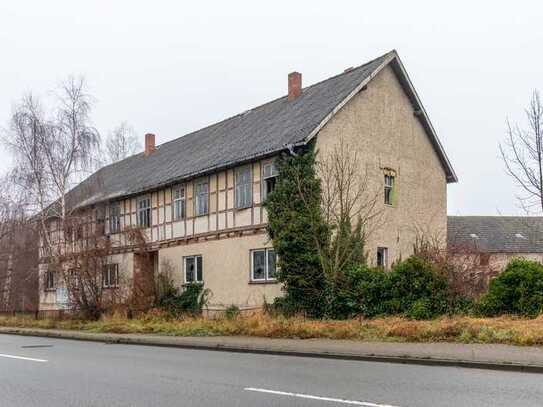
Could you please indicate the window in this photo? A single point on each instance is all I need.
(244, 188)
(115, 218)
(269, 178)
(144, 212)
(100, 220)
(193, 269)
(49, 280)
(110, 276)
(389, 189)
(201, 192)
(484, 259)
(382, 257)
(179, 203)
(263, 266)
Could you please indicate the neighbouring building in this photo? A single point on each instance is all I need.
(199, 197)
(495, 240)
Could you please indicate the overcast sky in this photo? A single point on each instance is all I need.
(170, 67)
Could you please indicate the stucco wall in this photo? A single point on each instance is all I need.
(226, 270)
(380, 126)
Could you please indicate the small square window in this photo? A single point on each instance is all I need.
(382, 257)
(194, 269)
(263, 265)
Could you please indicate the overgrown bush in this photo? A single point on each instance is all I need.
(413, 288)
(191, 301)
(517, 290)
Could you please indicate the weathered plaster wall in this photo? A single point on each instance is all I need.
(380, 126)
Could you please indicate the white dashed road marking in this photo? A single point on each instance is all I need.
(309, 396)
(22, 358)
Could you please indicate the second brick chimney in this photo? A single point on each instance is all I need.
(294, 85)
(149, 144)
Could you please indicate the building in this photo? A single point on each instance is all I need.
(495, 240)
(199, 198)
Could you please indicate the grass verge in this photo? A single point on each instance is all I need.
(502, 330)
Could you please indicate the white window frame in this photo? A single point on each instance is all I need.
(198, 211)
(384, 254)
(243, 187)
(273, 173)
(111, 274)
(389, 186)
(147, 213)
(179, 203)
(195, 258)
(115, 218)
(267, 277)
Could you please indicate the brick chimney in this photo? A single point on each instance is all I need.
(294, 85)
(149, 144)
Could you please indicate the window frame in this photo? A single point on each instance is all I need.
(267, 278)
(390, 188)
(384, 254)
(115, 218)
(107, 271)
(147, 209)
(248, 186)
(195, 280)
(273, 176)
(50, 281)
(196, 197)
(182, 200)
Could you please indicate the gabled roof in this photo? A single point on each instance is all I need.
(258, 132)
(496, 234)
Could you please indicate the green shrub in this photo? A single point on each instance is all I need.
(415, 279)
(190, 301)
(231, 312)
(413, 288)
(421, 309)
(517, 290)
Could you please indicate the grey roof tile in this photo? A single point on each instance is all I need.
(496, 234)
(260, 131)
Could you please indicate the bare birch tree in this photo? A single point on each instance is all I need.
(121, 143)
(522, 154)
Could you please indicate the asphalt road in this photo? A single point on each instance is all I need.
(54, 372)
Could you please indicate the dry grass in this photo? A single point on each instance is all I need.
(505, 330)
